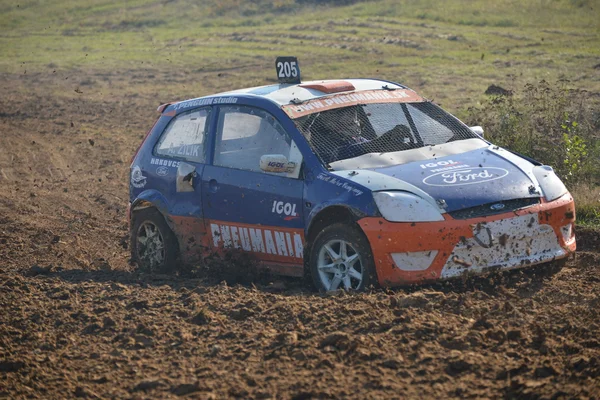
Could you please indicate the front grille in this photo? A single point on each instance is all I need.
(487, 209)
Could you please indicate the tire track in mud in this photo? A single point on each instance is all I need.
(90, 326)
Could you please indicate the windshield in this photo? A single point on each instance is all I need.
(355, 130)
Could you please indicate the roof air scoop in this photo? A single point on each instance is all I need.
(329, 86)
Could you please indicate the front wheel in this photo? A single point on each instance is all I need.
(153, 244)
(341, 258)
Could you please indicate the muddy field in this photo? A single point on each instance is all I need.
(78, 321)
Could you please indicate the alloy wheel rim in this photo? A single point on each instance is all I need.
(340, 266)
(150, 245)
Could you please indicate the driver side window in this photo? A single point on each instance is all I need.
(245, 134)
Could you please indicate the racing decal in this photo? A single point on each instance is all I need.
(162, 171)
(191, 150)
(446, 165)
(340, 183)
(276, 241)
(467, 176)
(276, 163)
(286, 209)
(287, 167)
(206, 102)
(344, 100)
(438, 163)
(450, 167)
(138, 180)
(164, 163)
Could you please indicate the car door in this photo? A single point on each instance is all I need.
(178, 161)
(246, 207)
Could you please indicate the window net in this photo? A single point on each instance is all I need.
(355, 130)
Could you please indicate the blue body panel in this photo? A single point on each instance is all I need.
(149, 188)
(252, 198)
(160, 173)
(324, 190)
(466, 180)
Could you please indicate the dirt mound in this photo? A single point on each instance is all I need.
(79, 321)
(588, 239)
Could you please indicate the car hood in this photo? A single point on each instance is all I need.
(458, 181)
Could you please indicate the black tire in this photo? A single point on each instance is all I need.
(161, 253)
(329, 273)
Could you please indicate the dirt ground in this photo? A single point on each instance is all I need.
(77, 320)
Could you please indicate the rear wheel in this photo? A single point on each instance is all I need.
(341, 258)
(153, 244)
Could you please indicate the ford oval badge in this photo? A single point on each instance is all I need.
(497, 207)
(162, 171)
(465, 176)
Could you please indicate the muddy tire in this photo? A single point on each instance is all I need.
(341, 258)
(153, 245)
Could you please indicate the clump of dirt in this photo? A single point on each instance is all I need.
(495, 90)
(588, 239)
(79, 321)
(231, 267)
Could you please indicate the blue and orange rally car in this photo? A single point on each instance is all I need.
(355, 182)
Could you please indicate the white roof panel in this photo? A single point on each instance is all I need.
(284, 93)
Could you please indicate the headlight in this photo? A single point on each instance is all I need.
(405, 207)
(550, 184)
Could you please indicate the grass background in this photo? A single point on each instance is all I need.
(450, 51)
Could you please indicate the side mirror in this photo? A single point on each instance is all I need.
(276, 163)
(478, 130)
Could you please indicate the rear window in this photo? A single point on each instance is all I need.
(184, 136)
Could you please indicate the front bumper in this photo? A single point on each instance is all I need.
(406, 253)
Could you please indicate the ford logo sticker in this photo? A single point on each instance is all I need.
(497, 207)
(465, 176)
(162, 171)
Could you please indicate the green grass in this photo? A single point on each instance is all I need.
(587, 204)
(557, 125)
(588, 215)
(450, 51)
